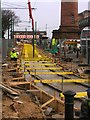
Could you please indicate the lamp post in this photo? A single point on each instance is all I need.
(87, 47)
(26, 32)
(87, 50)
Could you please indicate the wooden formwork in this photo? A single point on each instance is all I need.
(46, 100)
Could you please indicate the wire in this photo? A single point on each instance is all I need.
(15, 6)
(35, 3)
(11, 4)
(7, 4)
(48, 27)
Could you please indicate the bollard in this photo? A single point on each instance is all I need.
(69, 102)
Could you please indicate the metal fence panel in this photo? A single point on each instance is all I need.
(7, 45)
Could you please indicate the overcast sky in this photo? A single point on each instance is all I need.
(47, 13)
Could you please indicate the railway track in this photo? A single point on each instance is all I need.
(41, 71)
(55, 88)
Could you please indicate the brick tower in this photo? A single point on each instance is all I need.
(69, 28)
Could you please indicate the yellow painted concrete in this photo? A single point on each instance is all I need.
(78, 95)
(40, 73)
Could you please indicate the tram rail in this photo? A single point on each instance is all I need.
(39, 76)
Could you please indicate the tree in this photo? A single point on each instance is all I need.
(7, 17)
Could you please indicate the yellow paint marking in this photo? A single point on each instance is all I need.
(46, 68)
(78, 94)
(36, 61)
(60, 81)
(41, 73)
(40, 64)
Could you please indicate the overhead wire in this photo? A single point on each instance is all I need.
(12, 4)
(35, 3)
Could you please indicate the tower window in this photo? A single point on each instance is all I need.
(72, 19)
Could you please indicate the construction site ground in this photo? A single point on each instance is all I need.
(20, 107)
(26, 106)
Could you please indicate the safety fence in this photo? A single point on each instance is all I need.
(7, 44)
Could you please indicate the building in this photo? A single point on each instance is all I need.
(69, 28)
(84, 24)
(84, 19)
(29, 34)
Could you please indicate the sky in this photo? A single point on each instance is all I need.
(47, 13)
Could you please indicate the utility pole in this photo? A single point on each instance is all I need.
(35, 29)
(26, 32)
(46, 29)
(11, 27)
(8, 27)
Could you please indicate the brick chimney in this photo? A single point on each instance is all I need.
(69, 27)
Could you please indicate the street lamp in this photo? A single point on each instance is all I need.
(26, 32)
